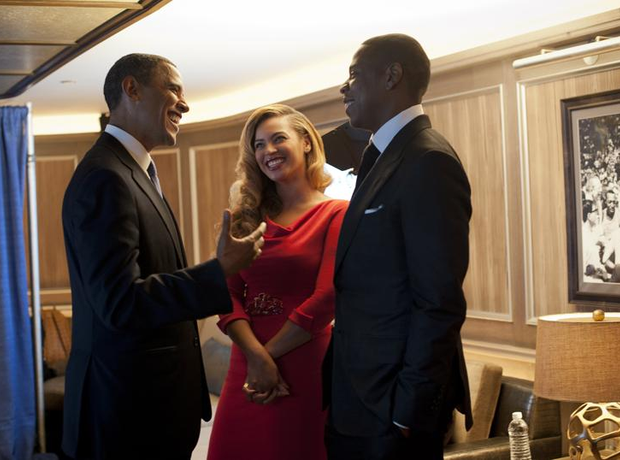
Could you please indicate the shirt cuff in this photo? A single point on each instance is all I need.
(400, 426)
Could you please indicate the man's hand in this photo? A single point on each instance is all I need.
(235, 254)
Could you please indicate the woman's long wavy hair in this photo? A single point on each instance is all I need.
(253, 196)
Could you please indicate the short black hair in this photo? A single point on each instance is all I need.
(409, 53)
(140, 66)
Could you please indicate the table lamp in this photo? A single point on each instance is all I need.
(577, 360)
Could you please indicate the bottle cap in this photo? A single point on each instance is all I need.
(517, 415)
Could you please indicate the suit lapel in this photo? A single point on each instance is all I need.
(145, 184)
(178, 233)
(378, 175)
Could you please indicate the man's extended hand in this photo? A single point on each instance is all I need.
(235, 254)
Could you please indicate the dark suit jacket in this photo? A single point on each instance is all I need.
(135, 385)
(402, 256)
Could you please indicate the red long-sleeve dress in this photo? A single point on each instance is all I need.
(292, 279)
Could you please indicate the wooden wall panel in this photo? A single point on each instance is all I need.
(473, 125)
(53, 175)
(506, 127)
(167, 162)
(213, 172)
(547, 265)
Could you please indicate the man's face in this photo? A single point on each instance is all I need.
(593, 217)
(362, 91)
(162, 104)
(611, 202)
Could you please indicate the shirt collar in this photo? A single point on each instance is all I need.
(133, 146)
(382, 138)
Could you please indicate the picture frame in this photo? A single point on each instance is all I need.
(591, 141)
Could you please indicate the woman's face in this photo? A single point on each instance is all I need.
(280, 151)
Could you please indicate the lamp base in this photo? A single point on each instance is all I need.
(594, 432)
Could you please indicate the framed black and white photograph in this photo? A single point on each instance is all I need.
(591, 126)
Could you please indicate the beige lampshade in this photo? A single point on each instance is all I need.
(577, 358)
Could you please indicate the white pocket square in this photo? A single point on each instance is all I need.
(373, 210)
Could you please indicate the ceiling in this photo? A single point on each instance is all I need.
(39, 36)
(236, 55)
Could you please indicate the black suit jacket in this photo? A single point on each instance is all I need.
(135, 385)
(402, 256)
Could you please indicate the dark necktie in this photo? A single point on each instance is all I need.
(369, 157)
(152, 170)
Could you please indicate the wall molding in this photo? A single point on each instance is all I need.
(515, 361)
(493, 89)
(49, 158)
(526, 209)
(72, 137)
(301, 103)
(575, 70)
(463, 94)
(193, 184)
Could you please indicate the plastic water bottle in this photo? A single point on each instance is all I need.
(519, 438)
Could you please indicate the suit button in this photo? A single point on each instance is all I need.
(196, 342)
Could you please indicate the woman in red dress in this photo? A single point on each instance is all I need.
(283, 305)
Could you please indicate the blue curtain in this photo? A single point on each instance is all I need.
(17, 388)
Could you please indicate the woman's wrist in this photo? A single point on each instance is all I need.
(257, 353)
(271, 350)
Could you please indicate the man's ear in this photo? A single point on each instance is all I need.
(131, 88)
(394, 74)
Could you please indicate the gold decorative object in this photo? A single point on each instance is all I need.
(598, 315)
(594, 432)
(577, 361)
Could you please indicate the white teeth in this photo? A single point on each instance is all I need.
(275, 162)
(174, 118)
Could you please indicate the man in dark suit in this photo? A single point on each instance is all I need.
(135, 384)
(396, 369)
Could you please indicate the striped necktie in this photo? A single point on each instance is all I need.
(369, 157)
(152, 170)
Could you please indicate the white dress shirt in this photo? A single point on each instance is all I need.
(384, 135)
(133, 146)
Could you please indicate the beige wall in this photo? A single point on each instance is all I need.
(506, 127)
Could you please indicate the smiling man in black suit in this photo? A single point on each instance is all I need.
(135, 384)
(396, 369)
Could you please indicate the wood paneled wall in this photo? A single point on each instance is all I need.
(53, 174)
(213, 172)
(473, 123)
(504, 124)
(546, 244)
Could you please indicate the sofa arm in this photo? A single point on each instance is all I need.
(542, 415)
(54, 393)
